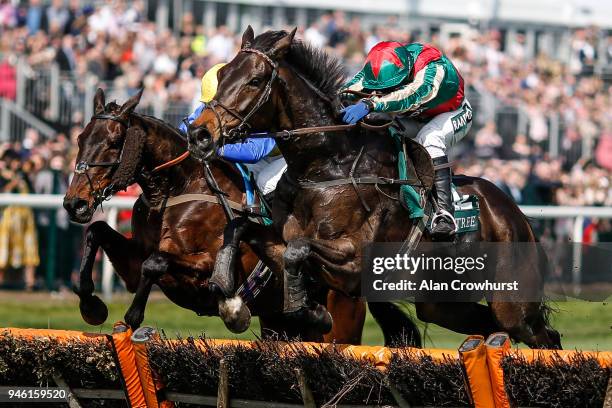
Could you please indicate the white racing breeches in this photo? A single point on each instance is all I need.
(267, 172)
(445, 130)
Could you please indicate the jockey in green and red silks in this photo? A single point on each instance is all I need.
(417, 80)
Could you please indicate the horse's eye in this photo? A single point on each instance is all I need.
(255, 82)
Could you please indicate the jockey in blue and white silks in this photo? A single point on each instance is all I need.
(260, 156)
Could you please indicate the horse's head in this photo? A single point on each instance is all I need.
(109, 154)
(247, 94)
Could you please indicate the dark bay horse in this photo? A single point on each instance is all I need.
(172, 246)
(275, 83)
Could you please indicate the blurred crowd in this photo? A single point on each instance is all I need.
(116, 43)
(30, 239)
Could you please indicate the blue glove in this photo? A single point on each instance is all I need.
(354, 113)
(194, 115)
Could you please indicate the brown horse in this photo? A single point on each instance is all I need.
(173, 246)
(275, 83)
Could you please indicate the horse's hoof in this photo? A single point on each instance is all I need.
(318, 318)
(235, 314)
(93, 310)
(133, 318)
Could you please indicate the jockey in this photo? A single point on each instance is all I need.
(418, 81)
(260, 156)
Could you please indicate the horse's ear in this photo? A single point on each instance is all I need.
(282, 46)
(247, 37)
(130, 104)
(98, 103)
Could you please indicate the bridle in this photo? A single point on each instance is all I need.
(241, 129)
(82, 167)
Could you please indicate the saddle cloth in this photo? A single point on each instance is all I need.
(467, 211)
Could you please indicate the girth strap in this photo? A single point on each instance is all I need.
(358, 180)
(185, 198)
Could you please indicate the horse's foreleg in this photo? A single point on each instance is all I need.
(340, 261)
(153, 268)
(348, 313)
(233, 311)
(124, 256)
(267, 244)
(222, 281)
(297, 252)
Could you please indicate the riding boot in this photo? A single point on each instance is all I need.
(443, 225)
(297, 306)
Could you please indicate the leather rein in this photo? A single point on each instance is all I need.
(101, 195)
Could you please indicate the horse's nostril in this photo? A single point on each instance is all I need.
(201, 134)
(76, 206)
(81, 207)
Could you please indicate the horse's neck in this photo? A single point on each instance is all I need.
(162, 146)
(323, 156)
(305, 109)
(186, 177)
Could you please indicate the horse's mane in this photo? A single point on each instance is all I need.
(163, 123)
(113, 107)
(322, 69)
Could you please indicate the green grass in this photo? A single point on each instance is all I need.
(584, 325)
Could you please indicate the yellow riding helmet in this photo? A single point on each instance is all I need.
(209, 83)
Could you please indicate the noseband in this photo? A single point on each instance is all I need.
(241, 130)
(82, 167)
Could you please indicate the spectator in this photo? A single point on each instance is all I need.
(18, 240)
(514, 184)
(57, 17)
(487, 141)
(603, 152)
(65, 55)
(540, 188)
(221, 45)
(372, 39)
(314, 36)
(337, 30)
(36, 17)
(8, 80)
(8, 14)
(520, 147)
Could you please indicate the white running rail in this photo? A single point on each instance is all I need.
(112, 207)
